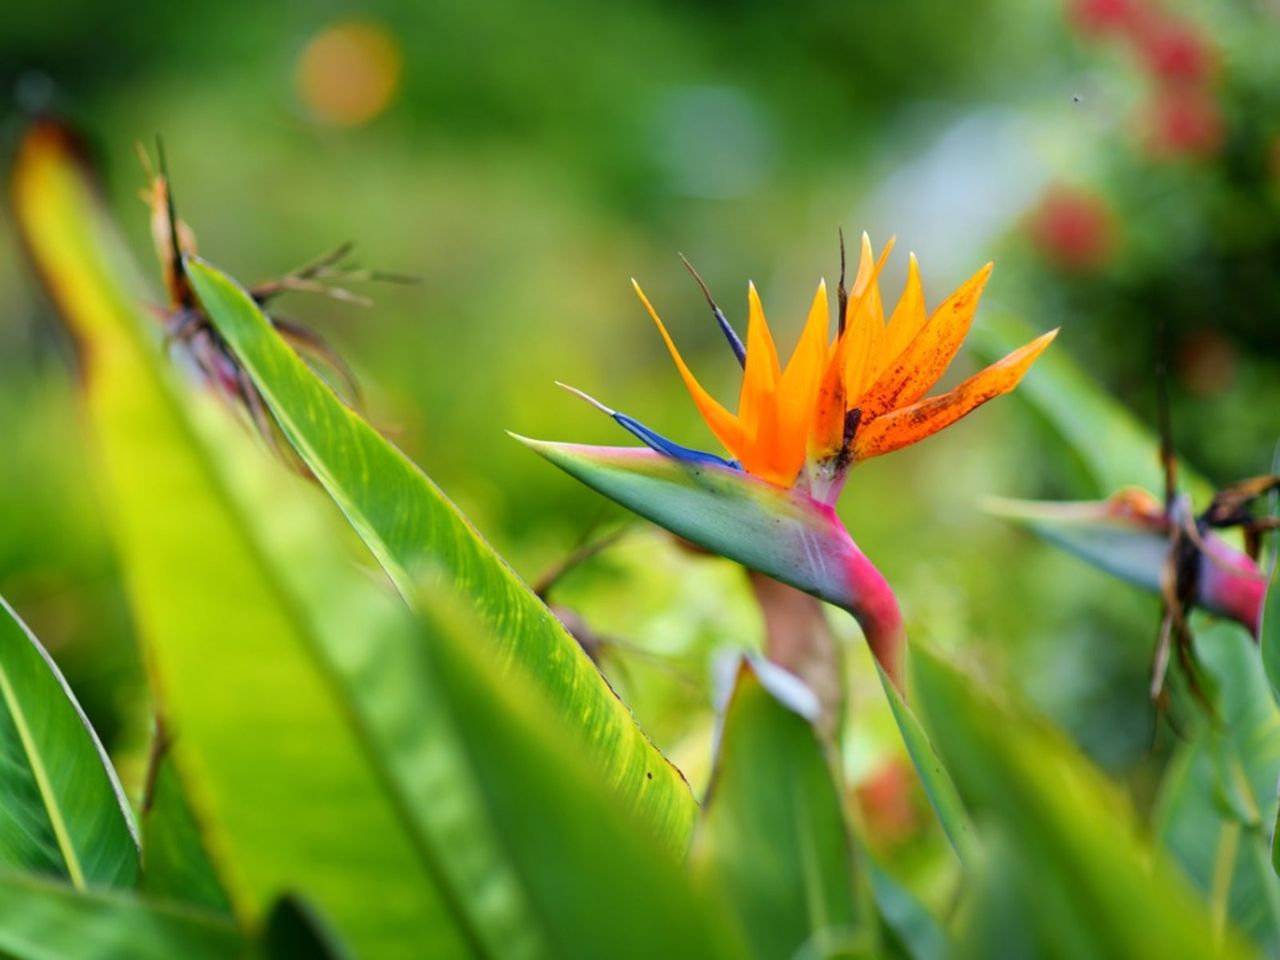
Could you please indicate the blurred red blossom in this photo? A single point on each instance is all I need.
(1184, 118)
(888, 804)
(1175, 51)
(1101, 17)
(1184, 122)
(1072, 228)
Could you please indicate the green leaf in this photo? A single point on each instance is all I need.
(910, 931)
(1218, 799)
(597, 884)
(449, 843)
(176, 864)
(779, 532)
(937, 782)
(1067, 849)
(1116, 449)
(64, 812)
(42, 920)
(268, 751)
(1269, 629)
(773, 840)
(410, 527)
(1122, 545)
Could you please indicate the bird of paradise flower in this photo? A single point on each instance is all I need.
(799, 429)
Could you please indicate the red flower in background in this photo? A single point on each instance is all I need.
(1184, 119)
(1101, 17)
(888, 802)
(1072, 228)
(1184, 122)
(1174, 51)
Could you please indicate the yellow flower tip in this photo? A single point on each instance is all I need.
(635, 285)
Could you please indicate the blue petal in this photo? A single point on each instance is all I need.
(670, 448)
(735, 342)
(731, 335)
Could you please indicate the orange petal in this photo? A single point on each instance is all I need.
(722, 423)
(760, 376)
(908, 377)
(864, 324)
(798, 386)
(826, 434)
(909, 315)
(865, 287)
(911, 424)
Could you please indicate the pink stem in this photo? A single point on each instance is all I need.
(872, 602)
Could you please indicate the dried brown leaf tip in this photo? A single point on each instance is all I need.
(1202, 569)
(191, 336)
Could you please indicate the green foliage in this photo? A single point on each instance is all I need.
(1068, 852)
(257, 747)
(64, 812)
(1218, 799)
(937, 781)
(1269, 632)
(410, 526)
(772, 841)
(338, 771)
(44, 920)
(467, 812)
(178, 866)
(596, 884)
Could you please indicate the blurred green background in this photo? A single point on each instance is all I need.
(525, 160)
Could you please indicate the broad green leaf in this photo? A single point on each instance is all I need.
(267, 750)
(43, 920)
(937, 782)
(1114, 446)
(598, 884)
(63, 811)
(410, 527)
(773, 841)
(501, 902)
(176, 864)
(1083, 882)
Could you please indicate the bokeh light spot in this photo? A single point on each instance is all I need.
(348, 73)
